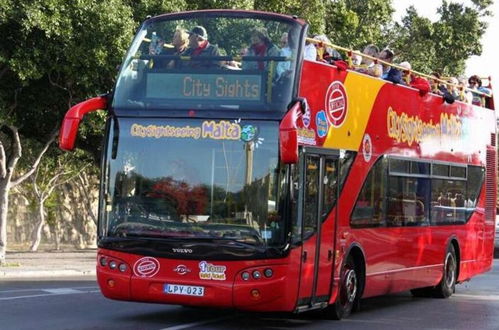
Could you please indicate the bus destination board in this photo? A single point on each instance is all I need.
(208, 87)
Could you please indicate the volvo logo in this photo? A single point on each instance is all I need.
(182, 250)
(181, 270)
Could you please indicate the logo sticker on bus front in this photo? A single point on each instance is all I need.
(336, 104)
(209, 271)
(181, 269)
(367, 148)
(146, 267)
(209, 129)
(305, 118)
(321, 123)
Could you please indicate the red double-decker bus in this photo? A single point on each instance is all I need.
(238, 174)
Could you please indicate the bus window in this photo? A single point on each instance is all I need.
(368, 211)
(448, 201)
(229, 62)
(311, 196)
(473, 186)
(330, 187)
(407, 201)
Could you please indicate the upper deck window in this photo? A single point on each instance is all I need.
(210, 61)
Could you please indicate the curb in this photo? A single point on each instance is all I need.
(45, 273)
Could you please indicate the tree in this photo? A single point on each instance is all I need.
(313, 11)
(413, 40)
(142, 9)
(47, 177)
(214, 4)
(8, 163)
(444, 45)
(53, 54)
(356, 24)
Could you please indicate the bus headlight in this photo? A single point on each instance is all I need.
(122, 268)
(268, 272)
(245, 276)
(113, 264)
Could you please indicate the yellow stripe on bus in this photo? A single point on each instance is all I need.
(361, 94)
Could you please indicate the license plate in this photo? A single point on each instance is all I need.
(186, 290)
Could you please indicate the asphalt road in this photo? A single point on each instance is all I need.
(69, 303)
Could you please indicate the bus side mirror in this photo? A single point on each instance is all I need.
(71, 121)
(288, 135)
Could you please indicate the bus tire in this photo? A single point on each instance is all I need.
(447, 285)
(348, 295)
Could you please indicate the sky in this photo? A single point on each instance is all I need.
(484, 65)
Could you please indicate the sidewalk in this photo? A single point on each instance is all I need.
(49, 264)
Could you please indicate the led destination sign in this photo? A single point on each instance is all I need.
(208, 87)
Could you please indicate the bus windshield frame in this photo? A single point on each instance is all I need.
(242, 62)
(176, 181)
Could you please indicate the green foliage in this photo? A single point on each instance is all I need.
(312, 11)
(417, 32)
(55, 53)
(221, 4)
(357, 23)
(444, 45)
(144, 8)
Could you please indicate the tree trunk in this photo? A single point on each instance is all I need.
(57, 235)
(37, 232)
(4, 207)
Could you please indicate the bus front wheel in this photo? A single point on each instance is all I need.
(348, 294)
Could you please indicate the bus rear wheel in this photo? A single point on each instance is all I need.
(348, 294)
(447, 285)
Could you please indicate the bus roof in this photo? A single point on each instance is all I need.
(232, 12)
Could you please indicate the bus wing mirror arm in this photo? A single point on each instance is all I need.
(288, 132)
(71, 121)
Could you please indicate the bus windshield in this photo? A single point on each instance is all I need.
(194, 179)
(210, 61)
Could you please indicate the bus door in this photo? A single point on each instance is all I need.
(319, 177)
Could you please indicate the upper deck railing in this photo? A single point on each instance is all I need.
(350, 52)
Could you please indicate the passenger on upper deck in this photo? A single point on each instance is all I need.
(390, 73)
(283, 67)
(452, 87)
(261, 45)
(439, 88)
(406, 74)
(475, 83)
(414, 81)
(367, 65)
(326, 53)
(310, 52)
(283, 42)
(199, 46)
(180, 42)
(464, 95)
(356, 59)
